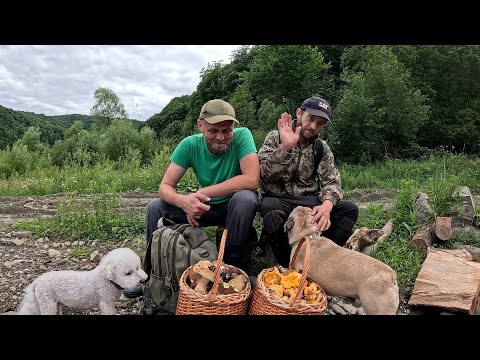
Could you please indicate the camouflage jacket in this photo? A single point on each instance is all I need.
(289, 174)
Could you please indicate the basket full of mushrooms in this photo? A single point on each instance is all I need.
(214, 288)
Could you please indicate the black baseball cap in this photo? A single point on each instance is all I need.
(317, 107)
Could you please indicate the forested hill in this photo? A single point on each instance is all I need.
(13, 125)
(64, 121)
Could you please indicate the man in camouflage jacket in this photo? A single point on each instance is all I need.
(288, 180)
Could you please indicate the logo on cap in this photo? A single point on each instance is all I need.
(323, 105)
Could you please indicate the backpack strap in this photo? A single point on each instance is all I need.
(317, 155)
(171, 280)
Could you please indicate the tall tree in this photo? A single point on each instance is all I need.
(287, 75)
(380, 111)
(107, 107)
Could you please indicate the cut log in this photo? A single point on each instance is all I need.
(475, 308)
(463, 204)
(471, 249)
(424, 237)
(386, 230)
(448, 279)
(443, 228)
(353, 242)
(366, 241)
(423, 208)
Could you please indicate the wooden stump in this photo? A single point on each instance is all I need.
(424, 237)
(443, 228)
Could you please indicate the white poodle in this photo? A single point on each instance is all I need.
(100, 287)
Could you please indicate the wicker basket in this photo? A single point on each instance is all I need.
(192, 303)
(265, 303)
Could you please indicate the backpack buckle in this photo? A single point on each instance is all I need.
(174, 286)
(168, 281)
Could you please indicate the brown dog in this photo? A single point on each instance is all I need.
(341, 271)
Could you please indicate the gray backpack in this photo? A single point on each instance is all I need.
(171, 249)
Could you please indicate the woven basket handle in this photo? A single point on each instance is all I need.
(214, 289)
(306, 264)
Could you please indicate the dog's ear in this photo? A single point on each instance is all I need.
(289, 224)
(108, 271)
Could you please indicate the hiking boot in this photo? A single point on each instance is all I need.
(253, 280)
(132, 293)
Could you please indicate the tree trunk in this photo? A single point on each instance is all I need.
(424, 237)
(353, 242)
(443, 228)
(386, 230)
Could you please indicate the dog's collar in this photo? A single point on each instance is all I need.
(312, 236)
(316, 234)
(116, 285)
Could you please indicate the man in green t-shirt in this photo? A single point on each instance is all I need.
(225, 161)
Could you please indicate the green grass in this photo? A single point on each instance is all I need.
(122, 177)
(424, 173)
(99, 216)
(81, 252)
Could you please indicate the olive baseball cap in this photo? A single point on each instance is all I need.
(217, 110)
(317, 107)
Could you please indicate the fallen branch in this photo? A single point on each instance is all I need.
(386, 229)
(353, 241)
(366, 241)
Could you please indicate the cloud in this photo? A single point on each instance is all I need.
(61, 79)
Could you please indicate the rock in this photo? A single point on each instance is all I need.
(54, 253)
(23, 234)
(352, 310)
(81, 243)
(75, 243)
(338, 309)
(18, 242)
(40, 240)
(95, 256)
(360, 311)
(67, 243)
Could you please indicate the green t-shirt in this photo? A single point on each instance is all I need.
(213, 169)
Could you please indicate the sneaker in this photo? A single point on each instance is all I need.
(132, 293)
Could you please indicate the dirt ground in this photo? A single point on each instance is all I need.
(24, 256)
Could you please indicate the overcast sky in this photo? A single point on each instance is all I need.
(61, 79)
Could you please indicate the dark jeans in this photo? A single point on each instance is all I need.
(236, 215)
(274, 212)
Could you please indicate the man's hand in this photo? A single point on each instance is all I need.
(194, 207)
(287, 136)
(321, 215)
